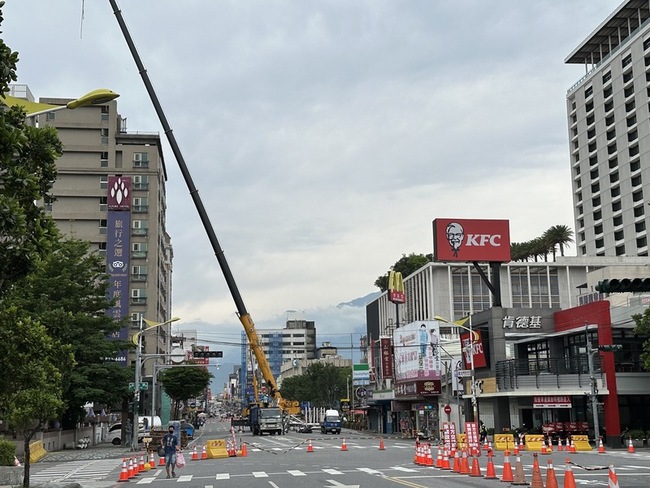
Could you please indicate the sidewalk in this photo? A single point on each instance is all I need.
(100, 451)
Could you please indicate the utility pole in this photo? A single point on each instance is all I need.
(593, 394)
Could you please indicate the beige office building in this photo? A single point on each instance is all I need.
(97, 148)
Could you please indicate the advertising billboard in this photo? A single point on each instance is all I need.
(396, 287)
(417, 351)
(476, 347)
(471, 240)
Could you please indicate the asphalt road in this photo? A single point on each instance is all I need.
(286, 462)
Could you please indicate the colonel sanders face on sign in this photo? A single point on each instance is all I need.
(455, 235)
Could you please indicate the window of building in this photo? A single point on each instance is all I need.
(639, 226)
(620, 250)
(613, 163)
(629, 106)
(633, 135)
(636, 181)
(103, 226)
(616, 206)
(618, 220)
(635, 165)
(598, 215)
(591, 133)
(593, 173)
(103, 159)
(580, 210)
(141, 160)
(629, 91)
(590, 119)
(609, 120)
(626, 60)
(103, 204)
(641, 242)
(139, 273)
(637, 196)
(600, 243)
(627, 77)
(631, 120)
(595, 188)
(615, 191)
(646, 43)
(592, 146)
(619, 235)
(105, 112)
(141, 182)
(595, 201)
(140, 227)
(638, 211)
(609, 105)
(140, 204)
(589, 91)
(611, 149)
(581, 223)
(103, 136)
(611, 134)
(598, 229)
(576, 170)
(103, 182)
(138, 296)
(607, 76)
(589, 106)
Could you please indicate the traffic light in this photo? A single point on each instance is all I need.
(610, 347)
(624, 285)
(207, 354)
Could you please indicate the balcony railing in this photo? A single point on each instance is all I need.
(543, 374)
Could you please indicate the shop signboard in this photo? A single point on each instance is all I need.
(471, 240)
(449, 435)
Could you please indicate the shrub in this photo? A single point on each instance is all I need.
(636, 434)
(7, 453)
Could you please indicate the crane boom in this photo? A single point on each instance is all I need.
(244, 316)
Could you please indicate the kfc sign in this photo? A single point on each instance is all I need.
(473, 347)
(471, 240)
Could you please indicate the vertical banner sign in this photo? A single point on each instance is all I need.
(118, 248)
(475, 348)
(386, 358)
(473, 440)
(396, 287)
(449, 436)
(361, 374)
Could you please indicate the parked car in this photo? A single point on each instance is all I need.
(115, 434)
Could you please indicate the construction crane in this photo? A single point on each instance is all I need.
(242, 313)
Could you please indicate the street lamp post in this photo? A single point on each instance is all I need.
(469, 348)
(137, 340)
(95, 97)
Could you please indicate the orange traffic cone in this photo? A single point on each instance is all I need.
(551, 479)
(485, 445)
(131, 470)
(456, 463)
(464, 463)
(152, 461)
(490, 473)
(204, 453)
(569, 479)
(613, 479)
(439, 458)
(544, 450)
(195, 455)
(161, 461)
(507, 469)
(381, 444)
(476, 468)
(521, 443)
(601, 447)
(550, 445)
(445, 460)
(141, 465)
(310, 448)
(124, 474)
(244, 450)
(344, 446)
(559, 445)
(630, 446)
(572, 447)
(428, 460)
(537, 474)
(520, 477)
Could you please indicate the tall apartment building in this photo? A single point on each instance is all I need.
(99, 152)
(609, 128)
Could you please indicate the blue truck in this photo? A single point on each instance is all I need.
(331, 422)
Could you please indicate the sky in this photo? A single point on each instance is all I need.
(325, 137)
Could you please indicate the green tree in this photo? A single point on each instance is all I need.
(558, 236)
(405, 265)
(642, 328)
(67, 292)
(32, 365)
(183, 383)
(322, 384)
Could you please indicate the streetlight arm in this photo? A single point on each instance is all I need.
(32, 109)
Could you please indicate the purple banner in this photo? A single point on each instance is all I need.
(117, 267)
(119, 193)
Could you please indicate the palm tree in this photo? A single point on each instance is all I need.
(559, 235)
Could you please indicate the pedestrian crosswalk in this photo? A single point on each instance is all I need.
(97, 469)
